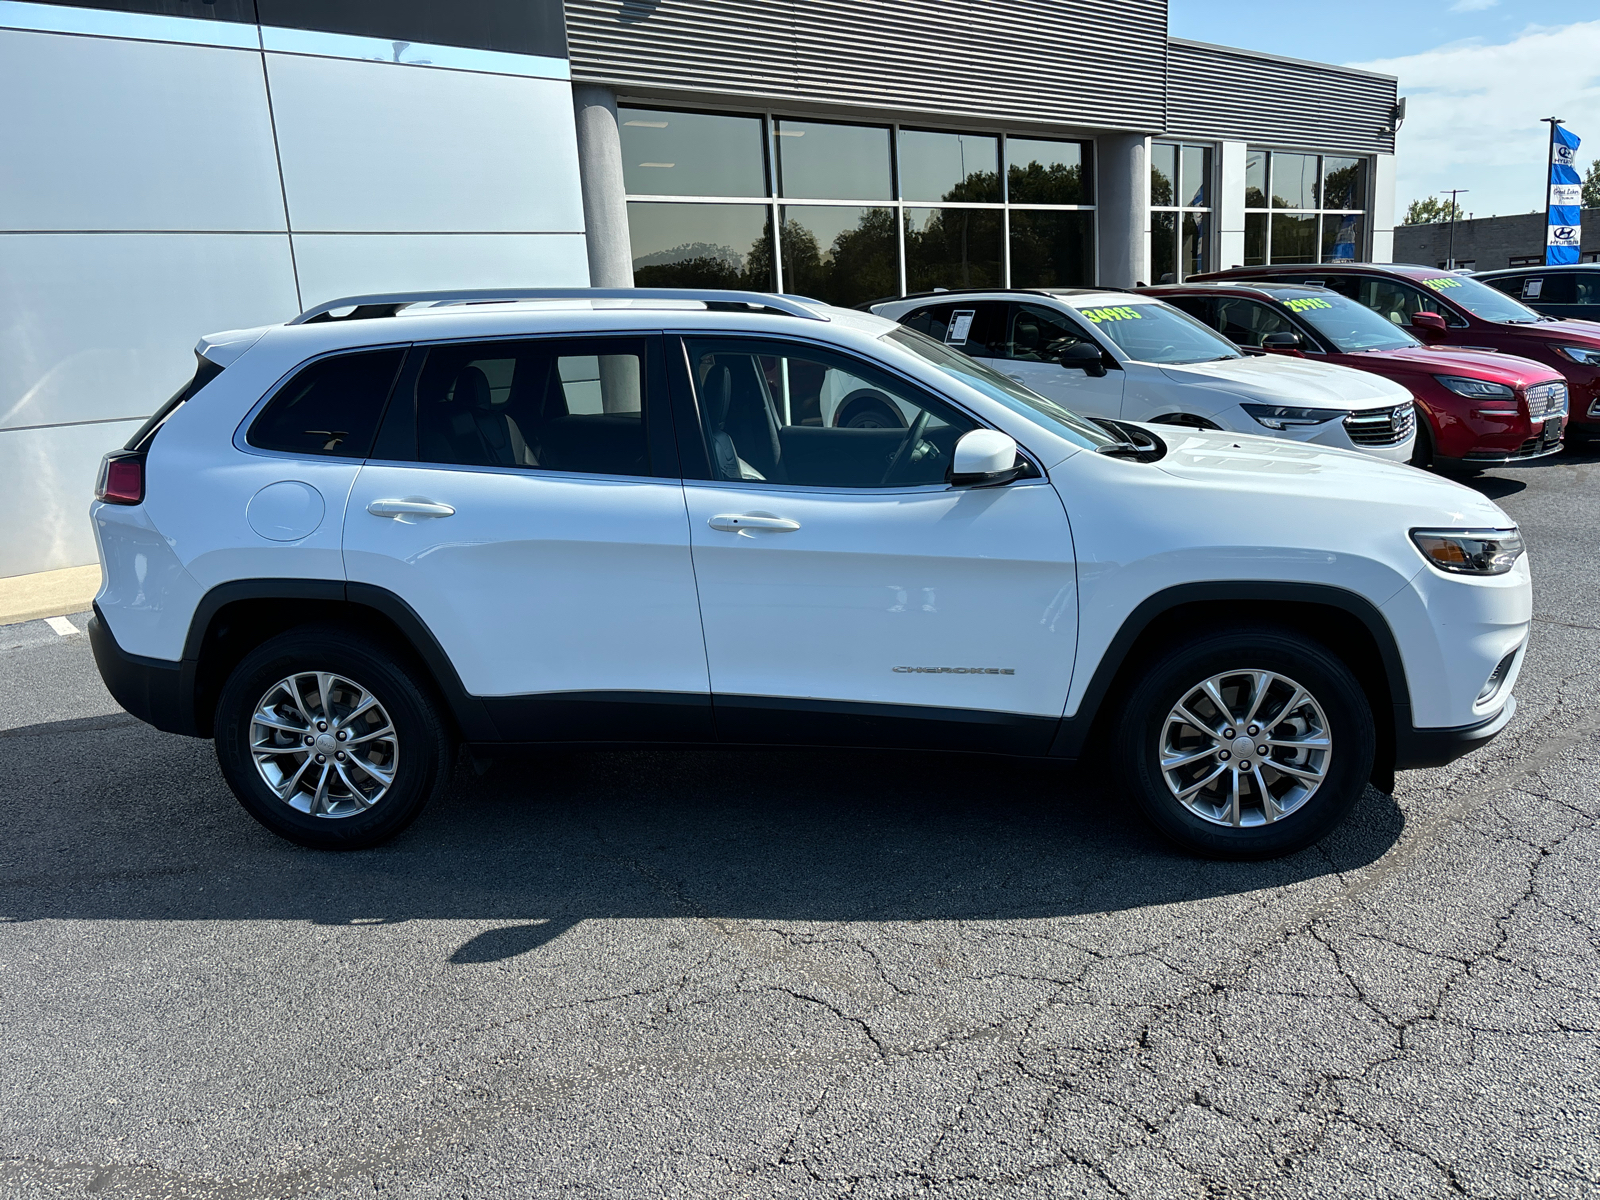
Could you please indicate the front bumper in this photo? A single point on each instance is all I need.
(1418, 748)
(158, 692)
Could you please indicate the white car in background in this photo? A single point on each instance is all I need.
(1125, 356)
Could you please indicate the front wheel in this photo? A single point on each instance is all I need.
(1246, 744)
(329, 741)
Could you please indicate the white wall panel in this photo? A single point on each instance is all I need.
(46, 483)
(334, 265)
(103, 133)
(101, 325)
(385, 147)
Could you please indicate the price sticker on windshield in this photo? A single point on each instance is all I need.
(1444, 281)
(960, 325)
(1119, 313)
(1305, 302)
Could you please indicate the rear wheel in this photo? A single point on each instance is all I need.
(330, 742)
(1246, 744)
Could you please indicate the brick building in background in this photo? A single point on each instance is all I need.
(1489, 243)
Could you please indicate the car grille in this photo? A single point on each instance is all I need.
(1547, 400)
(1381, 426)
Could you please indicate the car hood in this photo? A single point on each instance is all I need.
(1282, 379)
(1477, 364)
(1251, 463)
(1583, 333)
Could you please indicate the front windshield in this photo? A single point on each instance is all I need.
(1481, 300)
(1001, 389)
(1351, 327)
(1158, 333)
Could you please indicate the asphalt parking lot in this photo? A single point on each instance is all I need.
(804, 974)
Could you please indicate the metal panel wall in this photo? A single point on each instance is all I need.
(1063, 62)
(1220, 92)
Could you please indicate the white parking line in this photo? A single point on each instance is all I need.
(61, 625)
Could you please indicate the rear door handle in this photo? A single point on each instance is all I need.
(410, 508)
(737, 522)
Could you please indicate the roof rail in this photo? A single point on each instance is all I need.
(386, 304)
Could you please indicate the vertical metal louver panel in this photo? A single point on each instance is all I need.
(1066, 62)
(1216, 91)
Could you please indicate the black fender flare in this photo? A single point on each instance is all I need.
(471, 716)
(1075, 729)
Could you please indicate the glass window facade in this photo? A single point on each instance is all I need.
(848, 213)
(1304, 208)
(1180, 211)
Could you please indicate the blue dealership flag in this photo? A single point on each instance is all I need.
(1564, 207)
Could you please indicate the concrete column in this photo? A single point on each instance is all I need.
(1228, 204)
(605, 207)
(1382, 213)
(1123, 161)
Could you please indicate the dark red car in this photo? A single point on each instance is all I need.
(1443, 308)
(1481, 408)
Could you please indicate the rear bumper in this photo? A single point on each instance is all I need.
(158, 692)
(1418, 748)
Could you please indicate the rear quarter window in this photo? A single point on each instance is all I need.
(330, 408)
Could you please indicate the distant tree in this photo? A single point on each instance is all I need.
(1591, 185)
(1431, 210)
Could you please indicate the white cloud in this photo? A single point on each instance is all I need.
(1473, 114)
(1472, 5)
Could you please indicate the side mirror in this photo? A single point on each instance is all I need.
(1085, 357)
(1429, 326)
(985, 458)
(1282, 342)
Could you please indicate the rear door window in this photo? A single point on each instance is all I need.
(574, 406)
(331, 408)
(976, 328)
(1547, 289)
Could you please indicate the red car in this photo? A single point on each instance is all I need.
(1480, 408)
(1446, 309)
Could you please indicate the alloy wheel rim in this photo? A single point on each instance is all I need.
(324, 745)
(1245, 748)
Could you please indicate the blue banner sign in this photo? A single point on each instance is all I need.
(1565, 204)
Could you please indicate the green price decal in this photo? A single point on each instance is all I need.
(1304, 303)
(1441, 283)
(1120, 313)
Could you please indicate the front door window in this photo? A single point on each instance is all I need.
(784, 414)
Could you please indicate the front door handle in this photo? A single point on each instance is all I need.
(410, 508)
(738, 522)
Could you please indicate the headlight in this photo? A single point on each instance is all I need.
(1581, 354)
(1478, 389)
(1279, 416)
(1470, 551)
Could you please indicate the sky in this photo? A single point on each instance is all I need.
(1477, 74)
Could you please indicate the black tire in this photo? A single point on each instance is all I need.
(422, 748)
(1422, 452)
(1175, 674)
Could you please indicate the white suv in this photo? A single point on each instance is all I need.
(402, 524)
(1122, 354)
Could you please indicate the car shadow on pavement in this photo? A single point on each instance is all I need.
(116, 822)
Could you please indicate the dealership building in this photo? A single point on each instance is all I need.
(177, 167)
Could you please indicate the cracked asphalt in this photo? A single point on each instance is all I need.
(804, 974)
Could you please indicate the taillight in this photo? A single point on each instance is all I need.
(121, 478)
